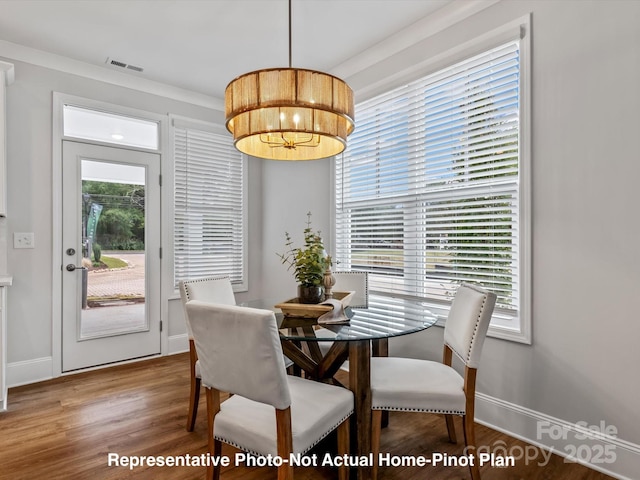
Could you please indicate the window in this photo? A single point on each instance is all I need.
(210, 214)
(428, 194)
(107, 127)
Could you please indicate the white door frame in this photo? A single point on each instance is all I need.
(59, 100)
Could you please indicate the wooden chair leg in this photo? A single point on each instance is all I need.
(468, 418)
(194, 399)
(376, 427)
(194, 394)
(451, 428)
(343, 448)
(470, 443)
(285, 472)
(285, 442)
(215, 447)
(217, 452)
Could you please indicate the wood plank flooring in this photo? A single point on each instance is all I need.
(65, 428)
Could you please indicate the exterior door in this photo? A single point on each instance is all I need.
(111, 258)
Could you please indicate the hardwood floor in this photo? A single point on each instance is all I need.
(65, 429)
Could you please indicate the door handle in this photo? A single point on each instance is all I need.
(71, 267)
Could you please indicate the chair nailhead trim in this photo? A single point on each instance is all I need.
(233, 444)
(199, 280)
(475, 330)
(429, 410)
(366, 286)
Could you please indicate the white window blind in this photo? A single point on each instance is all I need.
(427, 193)
(209, 222)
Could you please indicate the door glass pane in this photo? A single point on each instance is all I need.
(109, 128)
(113, 249)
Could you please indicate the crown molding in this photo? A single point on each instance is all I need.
(9, 72)
(426, 27)
(103, 74)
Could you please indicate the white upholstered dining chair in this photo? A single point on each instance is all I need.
(412, 385)
(357, 282)
(213, 290)
(270, 413)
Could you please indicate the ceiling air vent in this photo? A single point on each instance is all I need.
(116, 63)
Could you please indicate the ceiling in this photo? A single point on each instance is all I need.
(200, 46)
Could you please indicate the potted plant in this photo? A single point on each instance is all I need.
(309, 264)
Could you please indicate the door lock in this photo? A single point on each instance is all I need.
(71, 267)
(71, 251)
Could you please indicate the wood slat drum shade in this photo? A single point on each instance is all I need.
(289, 114)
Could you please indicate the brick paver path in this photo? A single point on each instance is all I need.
(126, 281)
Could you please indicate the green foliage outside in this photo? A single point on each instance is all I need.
(97, 252)
(486, 254)
(121, 224)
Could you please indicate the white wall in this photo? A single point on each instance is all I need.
(586, 268)
(290, 190)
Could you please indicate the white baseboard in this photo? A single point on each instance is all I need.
(596, 447)
(40, 369)
(178, 344)
(29, 371)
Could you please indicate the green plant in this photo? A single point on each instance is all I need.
(309, 262)
(97, 252)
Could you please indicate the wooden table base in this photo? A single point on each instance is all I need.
(323, 368)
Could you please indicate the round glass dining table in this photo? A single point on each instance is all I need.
(384, 317)
(365, 332)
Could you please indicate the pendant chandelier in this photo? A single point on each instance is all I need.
(289, 113)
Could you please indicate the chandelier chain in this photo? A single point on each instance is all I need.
(289, 33)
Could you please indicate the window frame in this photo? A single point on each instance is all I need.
(177, 121)
(518, 29)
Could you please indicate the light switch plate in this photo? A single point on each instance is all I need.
(23, 240)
